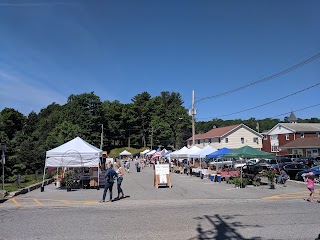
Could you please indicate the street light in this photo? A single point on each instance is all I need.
(3, 148)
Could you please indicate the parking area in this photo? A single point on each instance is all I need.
(139, 187)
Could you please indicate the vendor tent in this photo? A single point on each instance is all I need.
(150, 153)
(219, 153)
(249, 152)
(144, 152)
(203, 152)
(167, 154)
(125, 153)
(75, 153)
(181, 153)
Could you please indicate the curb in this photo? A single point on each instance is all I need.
(27, 189)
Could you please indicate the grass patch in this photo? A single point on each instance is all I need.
(29, 180)
(115, 152)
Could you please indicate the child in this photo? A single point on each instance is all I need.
(310, 186)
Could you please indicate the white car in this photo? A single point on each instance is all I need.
(218, 163)
(243, 163)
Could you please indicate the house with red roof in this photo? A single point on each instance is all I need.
(232, 137)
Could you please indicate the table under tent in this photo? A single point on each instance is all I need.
(75, 154)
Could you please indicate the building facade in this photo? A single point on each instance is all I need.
(232, 137)
(283, 133)
(308, 147)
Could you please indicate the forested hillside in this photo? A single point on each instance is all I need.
(160, 120)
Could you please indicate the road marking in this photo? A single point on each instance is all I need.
(38, 202)
(16, 202)
(293, 195)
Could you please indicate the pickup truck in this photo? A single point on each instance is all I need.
(220, 163)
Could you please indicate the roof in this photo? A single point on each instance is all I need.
(216, 132)
(303, 142)
(302, 127)
(220, 132)
(292, 117)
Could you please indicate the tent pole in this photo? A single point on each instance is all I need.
(98, 187)
(44, 173)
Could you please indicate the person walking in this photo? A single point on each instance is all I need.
(120, 173)
(128, 166)
(309, 178)
(109, 181)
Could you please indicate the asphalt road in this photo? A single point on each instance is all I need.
(193, 209)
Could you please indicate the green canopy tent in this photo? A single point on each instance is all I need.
(248, 152)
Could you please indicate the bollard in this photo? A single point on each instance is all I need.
(36, 175)
(19, 181)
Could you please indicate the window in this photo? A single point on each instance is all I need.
(256, 140)
(226, 140)
(318, 134)
(274, 137)
(274, 148)
(209, 140)
(302, 135)
(287, 136)
(242, 140)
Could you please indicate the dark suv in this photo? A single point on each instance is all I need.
(293, 156)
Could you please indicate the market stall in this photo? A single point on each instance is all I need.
(76, 153)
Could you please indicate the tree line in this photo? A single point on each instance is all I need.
(144, 122)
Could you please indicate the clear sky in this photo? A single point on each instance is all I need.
(118, 49)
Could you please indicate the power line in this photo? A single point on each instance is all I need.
(267, 103)
(298, 110)
(276, 75)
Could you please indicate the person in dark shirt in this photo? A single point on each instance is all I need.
(109, 181)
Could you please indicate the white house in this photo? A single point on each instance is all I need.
(232, 137)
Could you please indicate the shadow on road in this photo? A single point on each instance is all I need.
(221, 229)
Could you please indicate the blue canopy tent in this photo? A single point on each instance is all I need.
(218, 153)
(167, 154)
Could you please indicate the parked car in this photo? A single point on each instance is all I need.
(293, 156)
(238, 163)
(220, 163)
(264, 164)
(306, 160)
(291, 168)
(315, 170)
(276, 167)
(285, 160)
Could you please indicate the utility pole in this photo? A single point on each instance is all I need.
(193, 113)
(101, 143)
(3, 148)
(151, 138)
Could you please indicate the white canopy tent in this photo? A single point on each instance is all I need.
(151, 152)
(181, 153)
(203, 152)
(75, 153)
(145, 151)
(192, 151)
(125, 153)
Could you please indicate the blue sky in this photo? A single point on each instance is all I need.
(118, 49)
